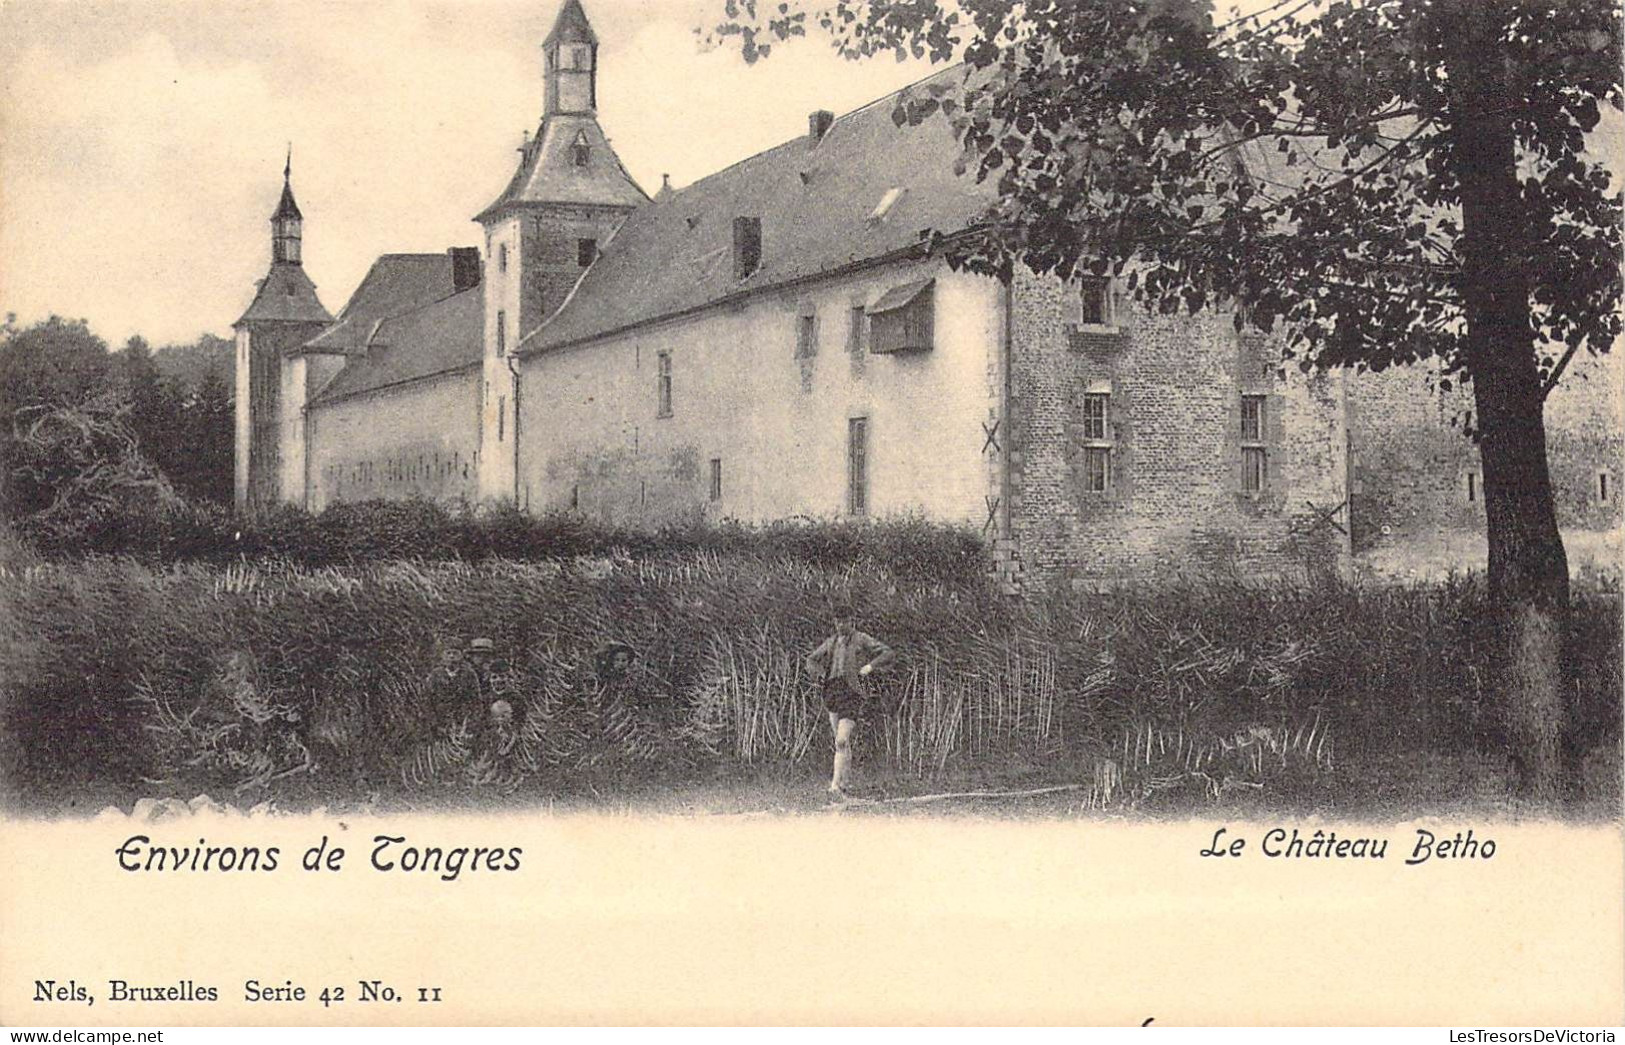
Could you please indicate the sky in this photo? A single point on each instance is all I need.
(142, 144)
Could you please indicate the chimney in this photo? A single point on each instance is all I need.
(747, 246)
(465, 268)
(818, 125)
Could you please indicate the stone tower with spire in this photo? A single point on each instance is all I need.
(272, 372)
(567, 197)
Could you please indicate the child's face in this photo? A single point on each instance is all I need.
(451, 659)
(843, 626)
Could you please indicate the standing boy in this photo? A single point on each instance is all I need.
(842, 664)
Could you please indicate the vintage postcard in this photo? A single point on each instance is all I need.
(811, 513)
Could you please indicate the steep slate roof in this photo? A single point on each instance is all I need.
(432, 339)
(285, 295)
(287, 208)
(571, 25)
(547, 173)
(815, 202)
(394, 284)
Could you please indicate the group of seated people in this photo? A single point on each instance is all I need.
(471, 710)
(468, 702)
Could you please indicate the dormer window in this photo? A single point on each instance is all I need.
(747, 246)
(580, 150)
(903, 319)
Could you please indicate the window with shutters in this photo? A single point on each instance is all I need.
(1254, 449)
(857, 465)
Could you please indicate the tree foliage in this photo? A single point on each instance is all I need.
(81, 426)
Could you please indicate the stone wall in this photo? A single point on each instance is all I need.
(1174, 501)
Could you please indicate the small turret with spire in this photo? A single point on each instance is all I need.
(287, 222)
(271, 375)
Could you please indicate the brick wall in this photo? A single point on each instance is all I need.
(1174, 501)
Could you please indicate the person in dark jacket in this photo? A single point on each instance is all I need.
(842, 665)
(451, 696)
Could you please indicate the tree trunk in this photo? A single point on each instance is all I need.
(1528, 570)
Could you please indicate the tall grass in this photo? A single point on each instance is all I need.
(111, 671)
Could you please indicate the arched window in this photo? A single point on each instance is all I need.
(580, 150)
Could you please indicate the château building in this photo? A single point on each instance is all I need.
(781, 339)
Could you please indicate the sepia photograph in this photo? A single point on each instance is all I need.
(990, 475)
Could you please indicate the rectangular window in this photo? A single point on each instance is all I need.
(586, 252)
(502, 416)
(663, 379)
(1096, 415)
(502, 258)
(716, 478)
(806, 336)
(502, 332)
(1252, 419)
(1094, 301)
(1472, 487)
(855, 332)
(1604, 488)
(1098, 446)
(1097, 469)
(1254, 453)
(857, 465)
(1253, 466)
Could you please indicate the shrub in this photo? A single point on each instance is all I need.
(910, 548)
